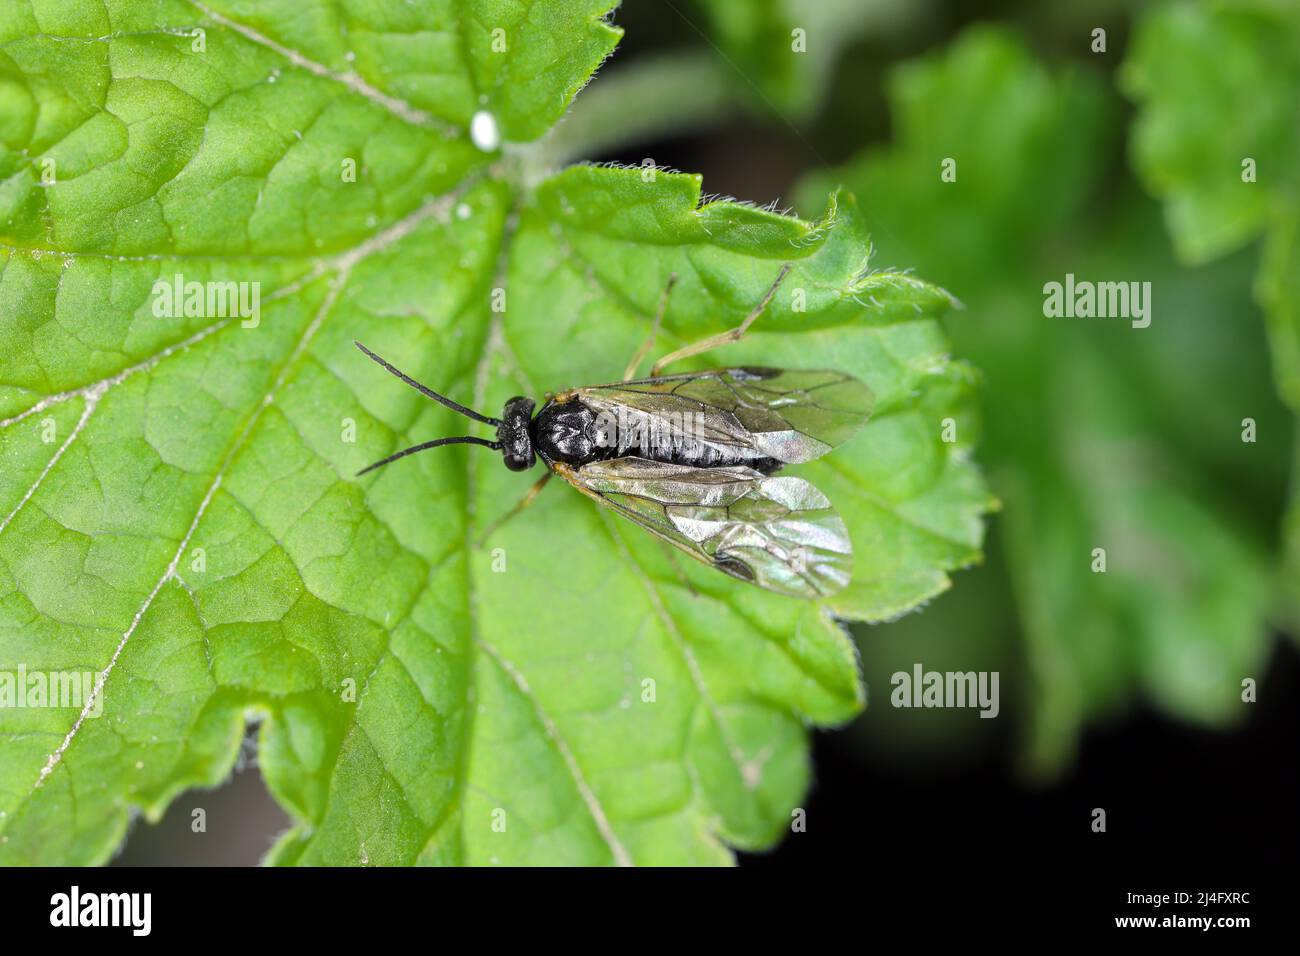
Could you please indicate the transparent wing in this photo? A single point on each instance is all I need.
(790, 415)
(778, 532)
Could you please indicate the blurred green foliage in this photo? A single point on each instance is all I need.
(1098, 435)
(785, 50)
(1218, 139)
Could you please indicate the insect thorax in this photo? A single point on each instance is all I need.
(565, 432)
(576, 434)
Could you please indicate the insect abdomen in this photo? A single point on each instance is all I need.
(709, 456)
(674, 445)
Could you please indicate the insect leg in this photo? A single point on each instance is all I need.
(677, 569)
(524, 502)
(654, 330)
(722, 338)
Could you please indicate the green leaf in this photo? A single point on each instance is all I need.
(1087, 441)
(179, 515)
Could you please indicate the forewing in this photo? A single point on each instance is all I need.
(778, 532)
(790, 415)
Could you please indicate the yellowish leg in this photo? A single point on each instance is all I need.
(524, 502)
(722, 338)
(654, 330)
(677, 569)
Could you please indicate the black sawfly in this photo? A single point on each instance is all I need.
(692, 458)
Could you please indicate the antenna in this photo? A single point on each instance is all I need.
(457, 440)
(423, 390)
(454, 406)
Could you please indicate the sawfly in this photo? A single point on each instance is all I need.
(693, 458)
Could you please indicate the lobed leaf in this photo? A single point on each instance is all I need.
(180, 518)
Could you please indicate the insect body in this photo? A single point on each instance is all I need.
(693, 459)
